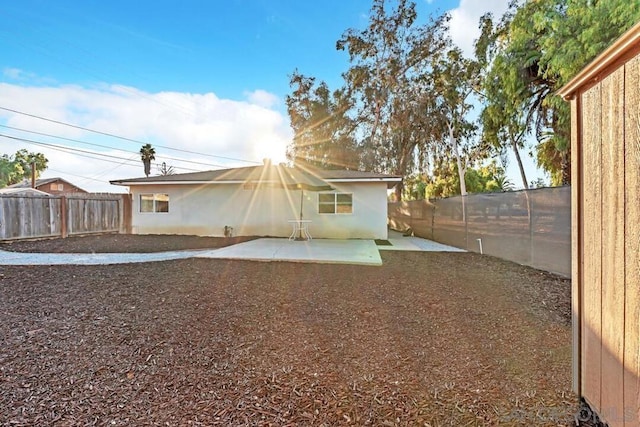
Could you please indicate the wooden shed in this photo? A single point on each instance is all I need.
(605, 146)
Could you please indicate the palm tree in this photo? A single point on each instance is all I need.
(503, 183)
(147, 154)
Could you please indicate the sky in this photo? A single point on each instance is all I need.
(203, 81)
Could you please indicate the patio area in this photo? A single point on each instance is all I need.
(326, 251)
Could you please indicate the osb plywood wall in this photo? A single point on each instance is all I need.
(607, 128)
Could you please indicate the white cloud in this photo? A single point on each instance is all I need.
(262, 98)
(13, 73)
(465, 19)
(202, 123)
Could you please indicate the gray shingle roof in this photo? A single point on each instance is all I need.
(269, 173)
(26, 183)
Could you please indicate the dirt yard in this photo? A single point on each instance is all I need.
(426, 339)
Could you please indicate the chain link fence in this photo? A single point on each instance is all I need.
(531, 227)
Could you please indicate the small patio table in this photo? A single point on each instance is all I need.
(300, 229)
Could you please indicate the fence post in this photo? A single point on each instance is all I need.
(433, 218)
(466, 222)
(127, 213)
(531, 228)
(63, 217)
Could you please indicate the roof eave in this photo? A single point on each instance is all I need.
(376, 179)
(624, 44)
(129, 183)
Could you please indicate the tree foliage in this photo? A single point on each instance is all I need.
(165, 170)
(10, 171)
(481, 179)
(323, 132)
(389, 85)
(455, 81)
(15, 168)
(406, 105)
(147, 155)
(537, 47)
(504, 125)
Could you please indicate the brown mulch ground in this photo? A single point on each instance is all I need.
(426, 339)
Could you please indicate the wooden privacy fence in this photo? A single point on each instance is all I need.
(531, 227)
(34, 216)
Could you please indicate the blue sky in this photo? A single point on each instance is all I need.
(226, 47)
(203, 76)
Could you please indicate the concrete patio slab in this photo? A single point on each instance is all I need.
(331, 251)
(399, 242)
(328, 251)
(418, 244)
(20, 258)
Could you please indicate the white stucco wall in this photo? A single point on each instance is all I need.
(205, 210)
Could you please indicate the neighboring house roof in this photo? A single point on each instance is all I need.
(43, 181)
(262, 174)
(24, 191)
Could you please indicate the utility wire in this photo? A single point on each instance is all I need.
(88, 154)
(111, 135)
(77, 176)
(107, 146)
(100, 174)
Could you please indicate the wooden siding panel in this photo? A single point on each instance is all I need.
(576, 242)
(592, 284)
(613, 247)
(632, 244)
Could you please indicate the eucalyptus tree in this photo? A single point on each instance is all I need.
(386, 82)
(323, 131)
(454, 85)
(504, 125)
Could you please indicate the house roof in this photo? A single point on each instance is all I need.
(262, 174)
(26, 183)
(23, 191)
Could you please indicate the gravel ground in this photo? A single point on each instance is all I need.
(425, 339)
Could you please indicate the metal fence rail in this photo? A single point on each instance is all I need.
(34, 216)
(531, 227)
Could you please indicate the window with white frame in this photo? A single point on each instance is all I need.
(335, 203)
(154, 203)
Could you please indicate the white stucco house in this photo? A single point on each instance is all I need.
(261, 201)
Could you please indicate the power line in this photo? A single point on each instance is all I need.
(106, 146)
(77, 176)
(87, 154)
(111, 135)
(103, 173)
